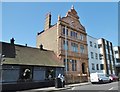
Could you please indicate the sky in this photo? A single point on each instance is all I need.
(24, 20)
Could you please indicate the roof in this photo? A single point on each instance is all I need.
(23, 55)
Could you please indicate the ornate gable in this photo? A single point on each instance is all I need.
(73, 19)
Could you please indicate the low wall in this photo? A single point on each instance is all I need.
(26, 85)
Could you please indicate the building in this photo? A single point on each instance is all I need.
(117, 59)
(67, 38)
(95, 62)
(26, 67)
(107, 55)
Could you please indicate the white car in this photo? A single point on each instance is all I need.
(99, 78)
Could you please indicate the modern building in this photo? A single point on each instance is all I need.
(107, 55)
(117, 59)
(26, 67)
(95, 62)
(67, 38)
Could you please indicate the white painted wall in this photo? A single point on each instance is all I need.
(94, 50)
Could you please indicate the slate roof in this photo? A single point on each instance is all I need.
(23, 55)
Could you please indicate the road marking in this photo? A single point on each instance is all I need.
(73, 88)
(110, 88)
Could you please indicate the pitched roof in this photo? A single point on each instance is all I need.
(23, 55)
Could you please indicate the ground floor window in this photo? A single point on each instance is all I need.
(50, 73)
(74, 65)
(67, 64)
(25, 73)
(101, 66)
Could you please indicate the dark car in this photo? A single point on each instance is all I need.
(113, 77)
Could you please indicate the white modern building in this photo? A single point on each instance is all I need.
(117, 59)
(101, 55)
(107, 55)
(95, 62)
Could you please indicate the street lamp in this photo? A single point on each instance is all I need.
(65, 48)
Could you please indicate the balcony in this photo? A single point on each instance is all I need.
(74, 54)
(74, 39)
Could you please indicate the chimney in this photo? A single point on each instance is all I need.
(59, 17)
(41, 47)
(26, 45)
(47, 21)
(12, 41)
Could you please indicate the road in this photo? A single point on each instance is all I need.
(107, 86)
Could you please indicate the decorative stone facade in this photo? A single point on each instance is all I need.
(67, 38)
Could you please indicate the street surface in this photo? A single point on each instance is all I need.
(107, 86)
(113, 86)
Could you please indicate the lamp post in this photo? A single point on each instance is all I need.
(66, 49)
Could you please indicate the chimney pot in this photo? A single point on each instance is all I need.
(41, 47)
(12, 41)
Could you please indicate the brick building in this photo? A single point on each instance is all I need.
(67, 38)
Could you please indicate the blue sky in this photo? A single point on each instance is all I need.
(24, 20)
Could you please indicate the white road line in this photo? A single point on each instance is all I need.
(73, 88)
(110, 88)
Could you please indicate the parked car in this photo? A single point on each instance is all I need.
(113, 77)
(99, 78)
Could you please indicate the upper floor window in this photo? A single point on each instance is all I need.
(106, 46)
(93, 66)
(116, 52)
(65, 45)
(63, 31)
(92, 56)
(90, 43)
(96, 55)
(81, 37)
(99, 45)
(100, 56)
(97, 66)
(82, 49)
(95, 46)
(74, 47)
(101, 66)
(73, 34)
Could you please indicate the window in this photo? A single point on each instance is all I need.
(74, 64)
(92, 55)
(116, 52)
(64, 31)
(108, 66)
(106, 46)
(90, 43)
(93, 66)
(97, 66)
(73, 34)
(100, 45)
(82, 49)
(65, 46)
(74, 47)
(100, 56)
(81, 37)
(101, 66)
(67, 64)
(95, 46)
(96, 55)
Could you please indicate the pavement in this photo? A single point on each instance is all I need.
(51, 89)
